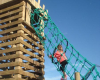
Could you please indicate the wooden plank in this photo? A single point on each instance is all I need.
(9, 50)
(9, 57)
(22, 65)
(24, 50)
(28, 26)
(9, 72)
(31, 75)
(10, 18)
(20, 21)
(10, 36)
(32, 54)
(31, 47)
(33, 37)
(32, 68)
(11, 7)
(4, 1)
(11, 24)
(13, 79)
(18, 71)
(21, 56)
(31, 61)
(26, 44)
(29, 39)
(21, 34)
(31, 28)
(31, 34)
(9, 43)
(10, 30)
(23, 12)
(11, 12)
(28, 13)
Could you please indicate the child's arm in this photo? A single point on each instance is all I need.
(50, 56)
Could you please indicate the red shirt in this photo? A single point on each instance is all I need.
(60, 58)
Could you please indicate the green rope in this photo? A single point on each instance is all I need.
(53, 37)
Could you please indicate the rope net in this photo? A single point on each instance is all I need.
(46, 28)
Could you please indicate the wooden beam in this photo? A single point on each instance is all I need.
(10, 24)
(4, 1)
(9, 72)
(13, 79)
(21, 21)
(11, 7)
(10, 36)
(31, 34)
(33, 37)
(18, 71)
(10, 30)
(29, 39)
(32, 75)
(43, 7)
(28, 13)
(31, 68)
(34, 3)
(10, 18)
(11, 12)
(31, 47)
(29, 27)
(32, 61)
(9, 43)
(22, 65)
(24, 50)
(8, 57)
(21, 34)
(25, 43)
(9, 50)
(32, 54)
(23, 12)
(22, 57)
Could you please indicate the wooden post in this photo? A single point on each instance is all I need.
(77, 76)
(43, 7)
(38, 4)
(23, 12)
(28, 12)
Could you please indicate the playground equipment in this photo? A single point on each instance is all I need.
(21, 52)
(22, 47)
(76, 62)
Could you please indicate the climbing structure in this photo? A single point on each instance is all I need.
(21, 52)
(76, 62)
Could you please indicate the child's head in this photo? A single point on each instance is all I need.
(59, 47)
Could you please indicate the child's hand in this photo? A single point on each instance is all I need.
(50, 56)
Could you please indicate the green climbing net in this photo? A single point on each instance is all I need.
(46, 28)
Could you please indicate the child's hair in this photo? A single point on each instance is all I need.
(59, 47)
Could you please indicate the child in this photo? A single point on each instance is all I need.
(64, 78)
(61, 58)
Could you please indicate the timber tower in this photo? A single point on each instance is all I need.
(21, 52)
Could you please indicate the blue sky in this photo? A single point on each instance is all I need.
(79, 21)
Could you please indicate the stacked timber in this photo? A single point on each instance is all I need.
(21, 52)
